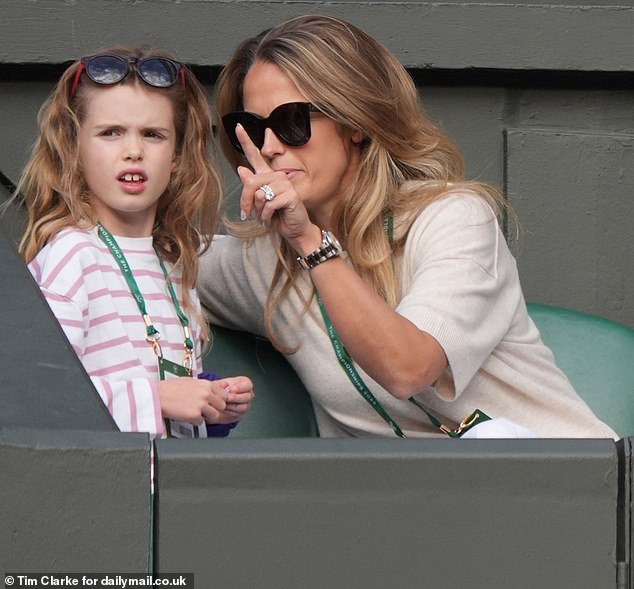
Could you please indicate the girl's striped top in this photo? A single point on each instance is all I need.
(91, 300)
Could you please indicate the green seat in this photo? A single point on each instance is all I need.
(597, 355)
(282, 406)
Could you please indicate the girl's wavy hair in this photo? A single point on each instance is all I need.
(406, 160)
(55, 194)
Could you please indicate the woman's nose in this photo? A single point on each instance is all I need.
(273, 145)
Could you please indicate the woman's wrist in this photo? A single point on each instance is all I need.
(307, 243)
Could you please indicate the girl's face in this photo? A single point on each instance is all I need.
(322, 169)
(127, 148)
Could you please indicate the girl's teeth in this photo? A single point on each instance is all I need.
(132, 178)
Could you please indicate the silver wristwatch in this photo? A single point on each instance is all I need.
(330, 248)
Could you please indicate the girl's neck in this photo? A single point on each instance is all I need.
(124, 229)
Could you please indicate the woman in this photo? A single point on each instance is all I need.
(352, 193)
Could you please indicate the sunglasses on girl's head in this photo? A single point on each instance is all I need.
(105, 69)
(290, 122)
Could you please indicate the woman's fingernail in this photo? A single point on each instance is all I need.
(243, 215)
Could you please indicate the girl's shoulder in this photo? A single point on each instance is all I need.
(71, 241)
(70, 250)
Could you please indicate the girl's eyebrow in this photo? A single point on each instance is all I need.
(157, 128)
(142, 128)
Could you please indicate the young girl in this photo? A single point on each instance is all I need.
(121, 195)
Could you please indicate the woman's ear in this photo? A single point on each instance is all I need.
(357, 137)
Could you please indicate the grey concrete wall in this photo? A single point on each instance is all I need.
(584, 35)
(538, 95)
(570, 177)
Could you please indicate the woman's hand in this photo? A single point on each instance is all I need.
(286, 213)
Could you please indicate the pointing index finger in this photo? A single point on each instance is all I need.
(251, 152)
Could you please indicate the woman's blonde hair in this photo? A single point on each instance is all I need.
(406, 160)
(55, 194)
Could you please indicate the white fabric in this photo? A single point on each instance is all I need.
(90, 298)
(460, 284)
(498, 427)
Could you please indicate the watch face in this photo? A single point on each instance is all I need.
(330, 238)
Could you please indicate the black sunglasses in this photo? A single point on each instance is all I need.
(290, 122)
(159, 72)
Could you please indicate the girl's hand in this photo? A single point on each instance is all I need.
(286, 213)
(191, 400)
(238, 394)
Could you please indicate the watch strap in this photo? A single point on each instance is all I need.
(330, 248)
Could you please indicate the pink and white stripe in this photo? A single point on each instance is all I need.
(91, 300)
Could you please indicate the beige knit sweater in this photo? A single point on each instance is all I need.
(460, 284)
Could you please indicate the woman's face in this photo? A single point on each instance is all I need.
(320, 170)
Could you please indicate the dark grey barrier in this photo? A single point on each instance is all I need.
(625, 575)
(42, 382)
(74, 501)
(379, 513)
(74, 492)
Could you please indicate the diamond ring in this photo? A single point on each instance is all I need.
(269, 195)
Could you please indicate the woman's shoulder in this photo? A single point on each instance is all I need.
(461, 203)
(454, 208)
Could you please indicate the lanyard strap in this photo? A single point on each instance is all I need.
(388, 227)
(346, 363)
(189, 344)
(355, 378)
(152, 334)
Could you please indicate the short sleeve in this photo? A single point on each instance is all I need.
(460, 284)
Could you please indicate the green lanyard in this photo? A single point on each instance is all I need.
(355, 378)
(152, 334)
(346, 363)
